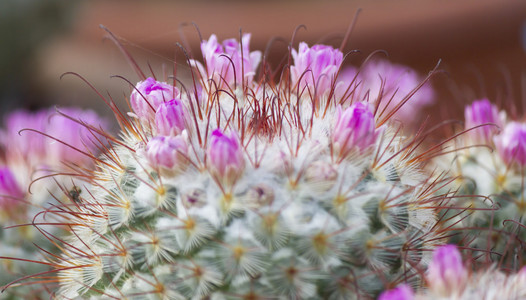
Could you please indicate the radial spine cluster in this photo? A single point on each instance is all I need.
(449, 278)
(243, 186)
(488, 163)
(31, 181)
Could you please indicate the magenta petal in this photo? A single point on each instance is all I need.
(511, 143)
(170, 118)
(446, 271)
(165, 151)
(315, 67)
(478, 113)
(401, 292)
(355, 128)
(9, 188)
(225, 156)
(230, 61)
(148, 95)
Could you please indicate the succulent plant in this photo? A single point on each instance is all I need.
(489, 161)
(29, 161)
(448, 278)
(248, 187)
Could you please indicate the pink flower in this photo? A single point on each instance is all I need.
(482, 112)
(318, 65)
(522, 274)
(170, 118)
(511, 143)
(398, 82)
(446, 272)
(348, 85)
(26, 145)
(10, 191)
(401, 292)
(230, 61)
(166, 152)
(36, 149)
(225, 157)
(355, 128)
(73, 134)
(148, 95)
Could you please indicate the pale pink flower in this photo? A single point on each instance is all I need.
(166, 151)
(315, 68)
(10, 191)
(170, 118)
(395, 82)
(511, 143)
(225, 156)
(148, 95)
(35, 149)
(446, 272)
(72, 135)
(401, 292)
(348, 86)
(228, 62)
(482, 112)
(355, 129)
(25, 145)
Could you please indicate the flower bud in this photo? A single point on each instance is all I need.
(354, 129)
(511, 143)
(230, 61)
(9, 189)
(148, 95)
(167, 152)
(315, 66)
(225, 157)
(446, 272)
(401, 292)
(170, 118)
(478, 113)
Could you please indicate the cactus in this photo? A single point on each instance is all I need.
(25, 184)
(489, 163)
(242, 187)
(448, 278)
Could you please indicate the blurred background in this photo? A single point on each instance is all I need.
(481, 43)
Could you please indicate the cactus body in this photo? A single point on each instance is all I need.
(259, 190)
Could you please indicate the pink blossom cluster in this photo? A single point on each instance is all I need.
(392, 88)
(482, 114)
(355, 128)
(230, 62)
(315, 68)
(445, 275)
(44, 140)
(148, 95)
(448, 278)
(168, 149)
(10, 190)
(487, 124)
(49, 136)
